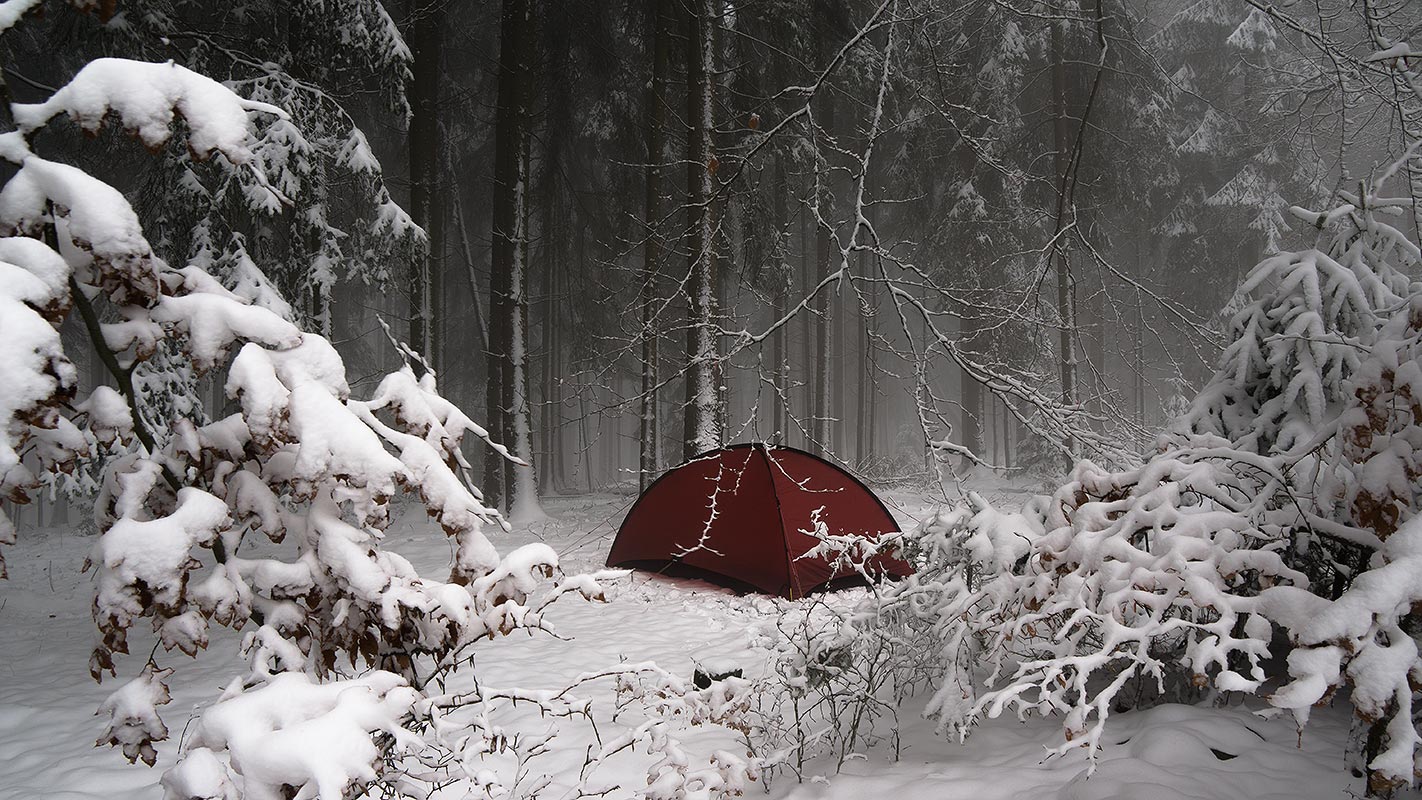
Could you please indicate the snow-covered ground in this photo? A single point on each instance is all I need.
(47, 699)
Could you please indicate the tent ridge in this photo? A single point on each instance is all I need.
(795, 587)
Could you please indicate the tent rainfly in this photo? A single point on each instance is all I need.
(740, 516)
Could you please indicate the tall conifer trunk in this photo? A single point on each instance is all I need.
(702, 422)
(522, 483)
(779, 369)
(426, 40)
(807, 331)
(861, 398)
(871, 376)
(1062, 145)
(824, 252)
(552, 251)
(839, 354)
(972, 391)
(509, 246)
(659, 23)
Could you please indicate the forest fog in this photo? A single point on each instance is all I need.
(912, 236)
(342, 335)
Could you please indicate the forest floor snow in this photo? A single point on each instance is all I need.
(47, 699)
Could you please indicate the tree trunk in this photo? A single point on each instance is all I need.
(839, 354)
(1095, 348)
(481, 325)
(972, 391)
(807, 332)
(552, 237)
(647, 463)
(824, 245)
(778, 375)
(871, 376)
(1006, 435)
(702, 423)
(1062, 144)
(861, 394)
(553, 418)
(522, 485)
(509, 214)
(426, 40)
(584, 437)
(61, 509)
(713, 19)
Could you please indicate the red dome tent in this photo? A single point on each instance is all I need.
(738, 516)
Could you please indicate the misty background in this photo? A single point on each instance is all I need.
(920, 238)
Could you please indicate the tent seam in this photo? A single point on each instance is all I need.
(795, 587)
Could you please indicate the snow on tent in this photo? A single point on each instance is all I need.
(741, 517)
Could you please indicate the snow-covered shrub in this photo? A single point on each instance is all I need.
(1365, 640)
(1145, 582)
(1360, 631)
(268, 520)
(672, 704)
(839, 672)
(316, 211)
(841, 667)
(291, 731)
(495, 741)
(978, 538)
(1277, 519)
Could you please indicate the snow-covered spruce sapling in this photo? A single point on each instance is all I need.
(1360, 631)
(267, 520)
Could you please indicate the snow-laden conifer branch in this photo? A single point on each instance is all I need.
(302, 464)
